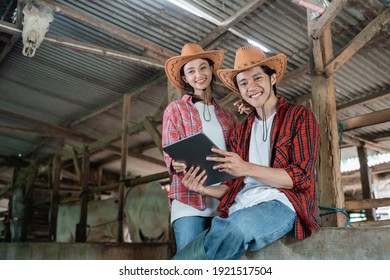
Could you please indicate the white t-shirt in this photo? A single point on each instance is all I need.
(256, 191)
(212, 128)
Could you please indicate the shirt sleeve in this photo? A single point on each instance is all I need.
(170, 133)
(304, 152)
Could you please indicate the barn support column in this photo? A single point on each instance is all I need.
(365, 179)
(124, 153)
(173, 92)
(55, 190)
(81, 227)
(330, 193)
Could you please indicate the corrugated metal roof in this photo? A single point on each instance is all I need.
(61, 86)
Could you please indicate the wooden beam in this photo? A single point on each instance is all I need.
(63, 132)
(377, 223)
(358, 141)
(55, 192)
(124, 155)
(81, 227)
(83, 47)
(154, 133)
(324, 21)
(144, 87)
(96, 50)
(365, 178)
(25, 131)
(231, 21)
(360, 101)
(358, 42)
(324, 107)
(367, 120)
(153, 50)
(353, 205)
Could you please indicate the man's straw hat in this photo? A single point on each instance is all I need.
(248, 57)
(190, 52)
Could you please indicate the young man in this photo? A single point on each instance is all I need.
(274, 152)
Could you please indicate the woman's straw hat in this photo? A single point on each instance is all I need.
(248, 57)
(190, 52)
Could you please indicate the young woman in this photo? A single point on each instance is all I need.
(197, 111)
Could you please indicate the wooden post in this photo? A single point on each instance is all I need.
(330, 193)
(365, 179)
(173, 92)
(123, 175)
(81, 227)
(55, 191)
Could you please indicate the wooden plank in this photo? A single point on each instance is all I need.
(377, 223)
(154, 133)
(360, 101)
(358, 141)
(231, 21)
(324, 107)
(353, 205)
(358, 42)
(365, 178)
(325, 20)
(153, 50)
(81, 227)
(55, 191)
(124, 156)
(367, 120)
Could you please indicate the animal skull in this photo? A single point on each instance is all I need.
(37, 17)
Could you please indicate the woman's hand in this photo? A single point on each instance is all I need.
(179, 166)
(229, 162)
(194, 181)
(243, 107)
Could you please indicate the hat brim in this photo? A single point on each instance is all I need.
(174, 64)
(277, 62)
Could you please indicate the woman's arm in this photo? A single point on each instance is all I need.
(194, 181)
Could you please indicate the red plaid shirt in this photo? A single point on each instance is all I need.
(294, 147)
(181, 119)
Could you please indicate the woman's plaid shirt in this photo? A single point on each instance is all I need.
(181, 119)
(294, 147)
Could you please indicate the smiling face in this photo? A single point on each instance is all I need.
(256, 87)
(199, 74)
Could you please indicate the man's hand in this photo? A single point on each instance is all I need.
(229, 162)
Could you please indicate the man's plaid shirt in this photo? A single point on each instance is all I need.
(294, 147)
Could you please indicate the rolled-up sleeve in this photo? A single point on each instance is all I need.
(304, 152)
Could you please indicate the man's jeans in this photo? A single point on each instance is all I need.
(187, 228)
(250, 229)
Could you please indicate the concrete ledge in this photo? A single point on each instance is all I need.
(368, 243)
(364, 243)
(84, 251)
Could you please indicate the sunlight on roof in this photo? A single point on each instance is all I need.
(353, 164)
(194, 10)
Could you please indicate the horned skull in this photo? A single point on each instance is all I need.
(37, 17)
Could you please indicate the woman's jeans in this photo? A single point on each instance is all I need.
(250, 229)
(187, 228)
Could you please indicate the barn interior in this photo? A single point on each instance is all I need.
(81, 108)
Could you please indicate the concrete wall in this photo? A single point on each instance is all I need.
(325, 244)
(371, 243)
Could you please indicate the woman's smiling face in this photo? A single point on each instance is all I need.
(199, 74)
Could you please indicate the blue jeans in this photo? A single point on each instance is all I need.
(187, 228)
(250, 229)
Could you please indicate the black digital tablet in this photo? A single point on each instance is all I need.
(193, 150)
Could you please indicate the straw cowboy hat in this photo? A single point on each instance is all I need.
(248, 57)
(190, 52)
